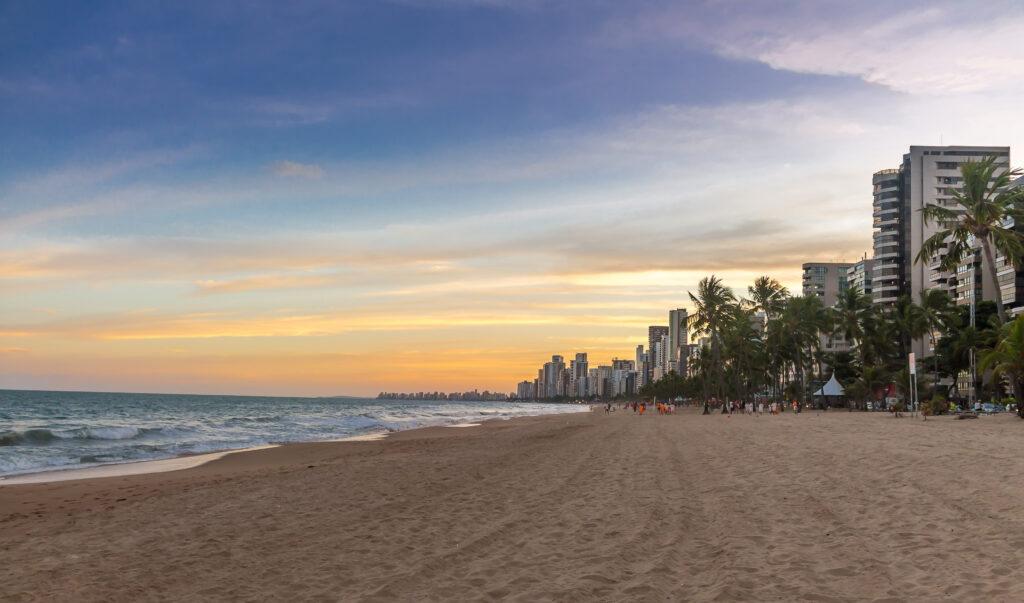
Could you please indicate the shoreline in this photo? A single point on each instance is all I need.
(580, 506)
(188, 461)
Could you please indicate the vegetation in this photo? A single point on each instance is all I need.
(770, 344)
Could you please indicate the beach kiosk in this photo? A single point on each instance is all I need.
(831, 392)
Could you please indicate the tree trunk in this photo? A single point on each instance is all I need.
(986, 250)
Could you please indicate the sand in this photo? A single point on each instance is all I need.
(589, 507)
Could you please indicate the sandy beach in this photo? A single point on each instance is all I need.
(819, 506)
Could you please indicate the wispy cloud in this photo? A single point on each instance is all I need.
(920, 48)
(292, 169)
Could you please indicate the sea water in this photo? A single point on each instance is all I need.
(46, 430)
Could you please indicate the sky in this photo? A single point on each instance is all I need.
(331, 198)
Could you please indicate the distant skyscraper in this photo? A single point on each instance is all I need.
(677, 337)
(578, 372)
(553, 373)
(641, 366)
(655, 351)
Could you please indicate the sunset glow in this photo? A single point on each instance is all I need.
(405, 196)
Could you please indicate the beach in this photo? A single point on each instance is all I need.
(832, 506)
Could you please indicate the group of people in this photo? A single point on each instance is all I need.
(641, 407)
(750, 408)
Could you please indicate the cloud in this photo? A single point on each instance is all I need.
(77, 176)
(291, 169)
(924, 49)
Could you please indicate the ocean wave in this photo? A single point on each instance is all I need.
(38, 437)
(108, 433)
(27, 437)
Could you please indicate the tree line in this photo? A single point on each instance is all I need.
(783, 356)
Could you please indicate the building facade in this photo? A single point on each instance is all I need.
(825, 280)
(861, 276)
(578, 376)
(657, 343)
(928, 175)
(677, 338)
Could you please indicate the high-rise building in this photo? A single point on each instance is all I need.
(525, 390)
(603, 379)
(860, 276)
(825, 280)
(677, 337)
(578, 372)
(641, 367)
(930, 176)
(553, 375)
(623, 377)
(927, 176)
(889, 272)
(655, 350)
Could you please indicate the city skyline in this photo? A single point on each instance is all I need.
(352, 198)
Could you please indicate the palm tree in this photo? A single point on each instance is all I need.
(908, 321)
(711, 314)
(767, 295)
(799, 324)
(744, 348)
(986, 207)
(872, 381)
(851, 317)
(940, 315)
(1007, 357)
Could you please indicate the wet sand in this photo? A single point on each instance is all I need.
(831, 506)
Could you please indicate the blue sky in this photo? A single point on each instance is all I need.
(188, 191)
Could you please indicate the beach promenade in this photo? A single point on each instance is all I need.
(830, 506)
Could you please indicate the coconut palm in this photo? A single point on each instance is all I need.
(712, 312)
(871, 381)
(744, 348)
(852, 316)
(940, 315)
(987, 209)
(767, 295)
(1007, 357)
(799, 324)
(908, 321)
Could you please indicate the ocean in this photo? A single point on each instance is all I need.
(47, 430)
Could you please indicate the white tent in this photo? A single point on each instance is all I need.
(832, 388)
